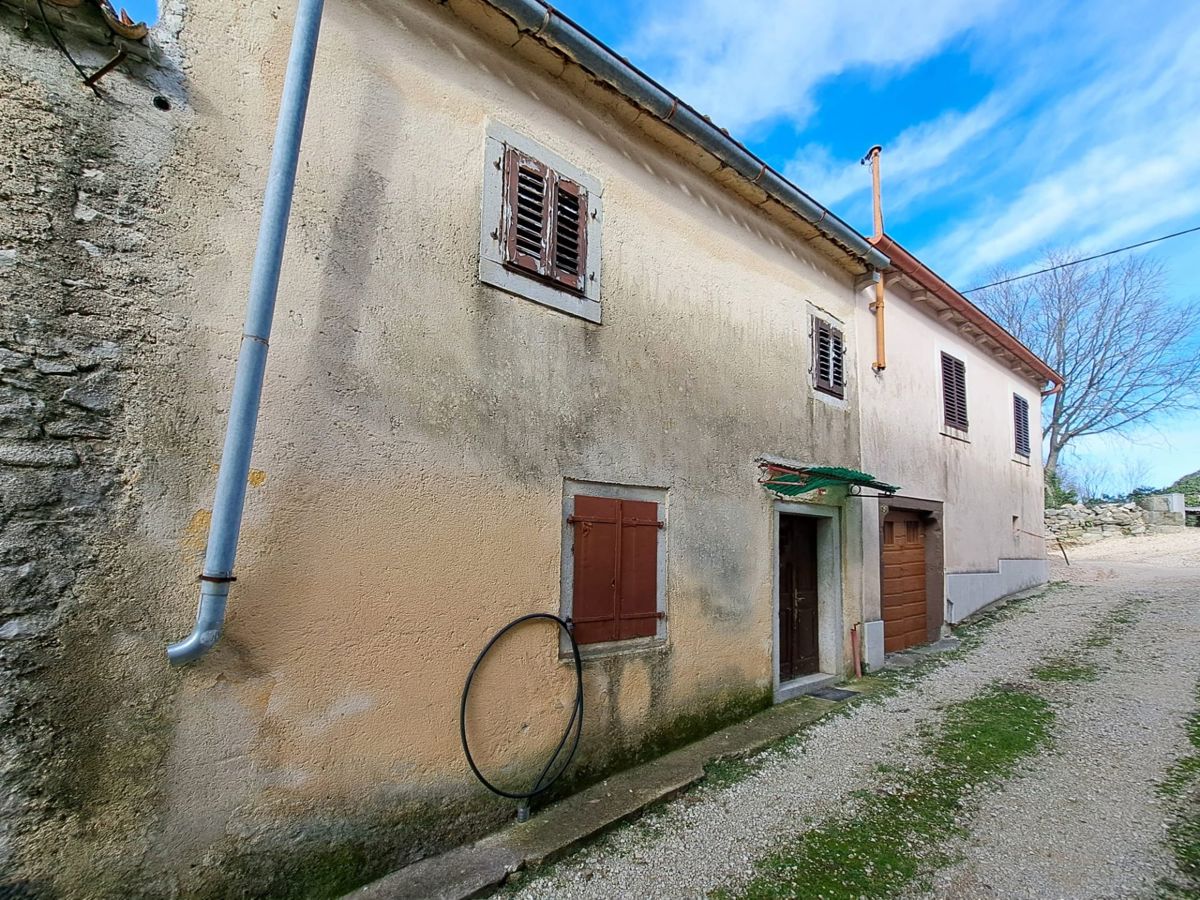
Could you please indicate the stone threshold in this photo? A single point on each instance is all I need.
(806, 684)
(478, 869)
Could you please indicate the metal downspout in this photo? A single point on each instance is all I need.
(252, 358)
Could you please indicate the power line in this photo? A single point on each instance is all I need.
(1076, 262)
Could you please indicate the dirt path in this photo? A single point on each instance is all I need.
(1087, 821)
(1115, 654)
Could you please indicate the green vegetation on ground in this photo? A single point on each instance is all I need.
(887, 843)
(896, 836)
(1182, 788)
(1189, 486)
(1060, 669)
(1112, 623)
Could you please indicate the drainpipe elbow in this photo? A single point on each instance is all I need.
(210, 618)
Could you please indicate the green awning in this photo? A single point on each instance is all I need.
(791, 481)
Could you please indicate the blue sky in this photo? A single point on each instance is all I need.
(1009, 127)
(139, 10)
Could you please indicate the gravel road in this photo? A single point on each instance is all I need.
(1081, 820)
(1086, 821)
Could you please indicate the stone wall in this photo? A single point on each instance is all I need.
(83, 342)
(1082, 523)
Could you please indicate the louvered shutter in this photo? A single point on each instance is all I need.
(829, 350)
(526, 212)
(569, 261)
(954, 392)
(1021, 425)
(638, 564)
(597, 524)
(545, 222)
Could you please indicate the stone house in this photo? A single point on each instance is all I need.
(466, 418)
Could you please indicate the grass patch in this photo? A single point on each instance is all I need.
(886, 845)
(1112, 623)
(1182, 785)
(723, 773)
(1065, 670)
(878, 686)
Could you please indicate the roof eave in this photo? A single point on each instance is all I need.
(904, 262)
(553, 29)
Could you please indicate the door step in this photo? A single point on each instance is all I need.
(809, 684)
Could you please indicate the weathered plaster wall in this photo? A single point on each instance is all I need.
(992, 502)
(415, 433)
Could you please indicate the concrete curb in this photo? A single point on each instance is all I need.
(477, 869)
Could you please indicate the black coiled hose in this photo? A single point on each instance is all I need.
(575, 724)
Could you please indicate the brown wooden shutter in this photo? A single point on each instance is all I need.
(569, 262)
(829, 350)
(638, 612)
(545, 222)
(597, 523)
(527, 213)
(1021, 425)
(954, 392)
(615, 593)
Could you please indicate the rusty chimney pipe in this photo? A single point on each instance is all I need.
(876, 307)
(872, 157)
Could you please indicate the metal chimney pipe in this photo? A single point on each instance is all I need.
(880, 293)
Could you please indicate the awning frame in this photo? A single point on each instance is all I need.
(791, 480)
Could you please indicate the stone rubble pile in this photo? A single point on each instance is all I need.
(1083, 523)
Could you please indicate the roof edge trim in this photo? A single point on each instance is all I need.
(549, 25)
(904, 262)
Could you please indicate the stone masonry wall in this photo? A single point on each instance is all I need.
(83, 710)
(1085, 524)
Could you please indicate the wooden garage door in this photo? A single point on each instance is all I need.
(904, 599)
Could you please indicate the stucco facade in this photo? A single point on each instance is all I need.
(418, 432)
(982, 501)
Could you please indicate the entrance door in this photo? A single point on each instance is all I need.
(904, 600)
(798, 648)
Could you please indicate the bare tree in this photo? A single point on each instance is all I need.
(1086, 477)
(1133, 474)
(1126, 353)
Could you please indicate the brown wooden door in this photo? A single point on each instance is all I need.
(798, 648)
(904, 599)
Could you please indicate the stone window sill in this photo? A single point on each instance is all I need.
(630, 647)
(956, 433)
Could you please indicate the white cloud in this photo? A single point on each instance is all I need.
(1097, 165)
(748, 63)
(1087, 139)
(921, 159)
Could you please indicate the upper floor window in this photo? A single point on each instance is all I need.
(540, 235)
(1021, 426)
(954, 392)
(545, 222)
(828, 354)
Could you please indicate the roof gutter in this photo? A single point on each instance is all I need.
(909, 265)
(552, 27)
